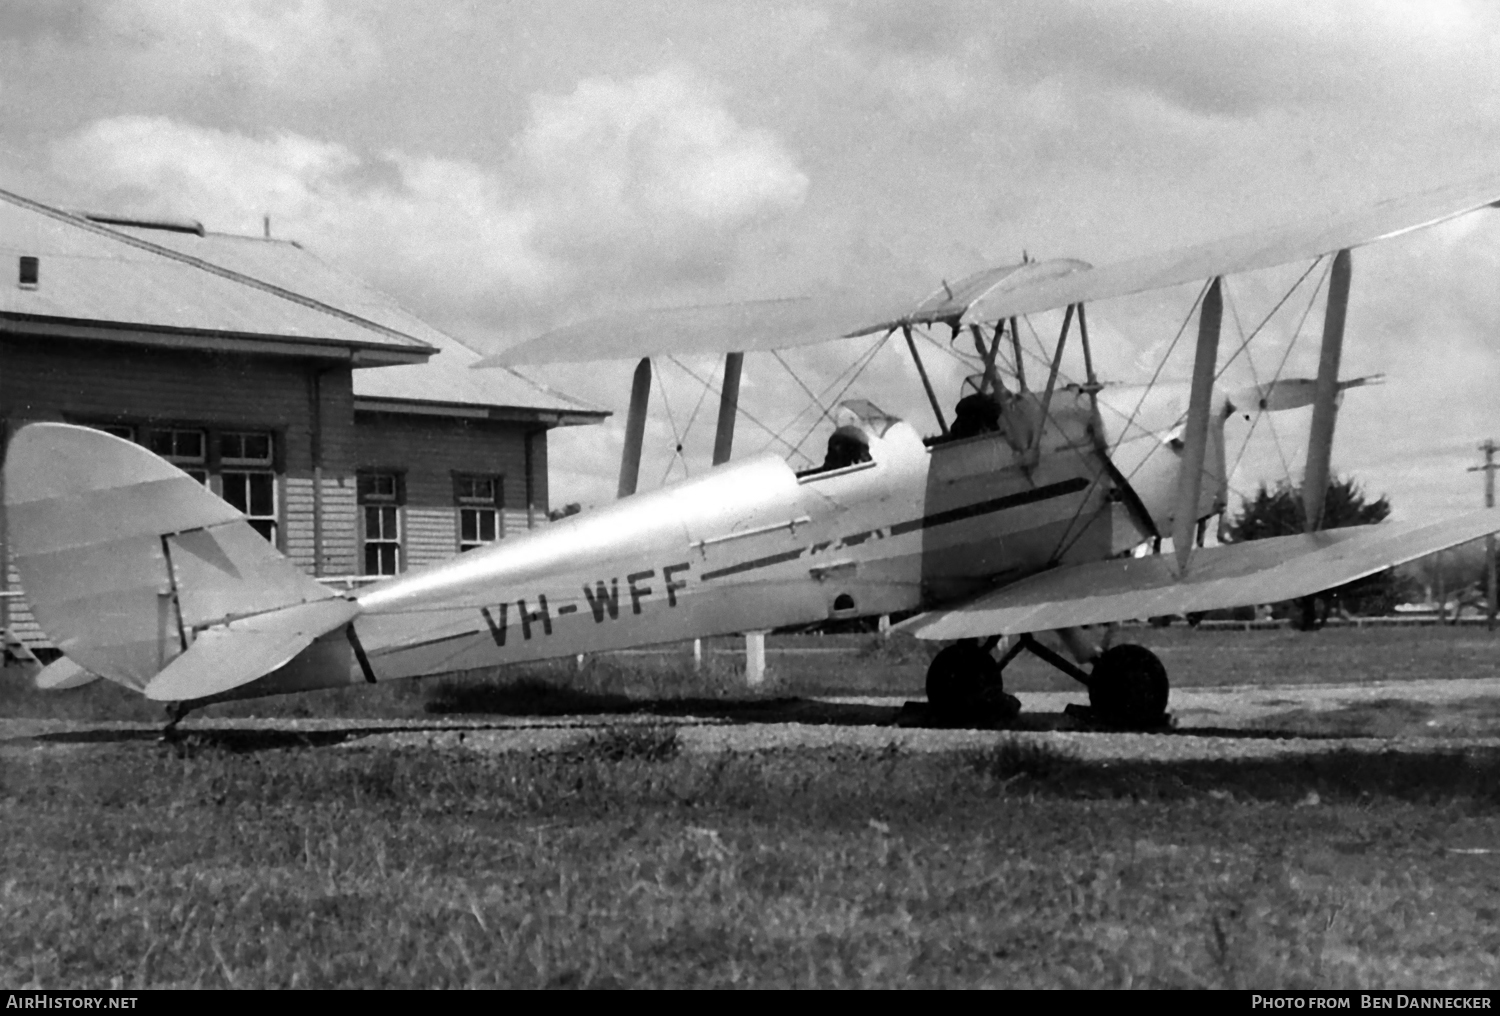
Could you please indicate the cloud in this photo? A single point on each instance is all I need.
(280, 44)
(1212, 59)
(619, 183)
(652, 169)
(295, 47)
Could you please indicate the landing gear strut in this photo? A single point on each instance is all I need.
(175, 713)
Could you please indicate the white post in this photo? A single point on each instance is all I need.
(884, 624)
(755, 658)
(697, 655)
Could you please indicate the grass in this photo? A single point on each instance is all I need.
(868, 665)
(257, 859)
(625, 862)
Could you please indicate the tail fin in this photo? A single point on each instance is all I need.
(124, 557)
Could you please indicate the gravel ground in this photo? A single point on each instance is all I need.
(1210, 723)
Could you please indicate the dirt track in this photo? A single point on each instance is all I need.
(1209, 723)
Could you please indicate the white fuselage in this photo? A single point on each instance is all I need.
(746, 546)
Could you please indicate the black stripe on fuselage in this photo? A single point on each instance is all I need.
(759, 562)
(942, 518)
(998, 504)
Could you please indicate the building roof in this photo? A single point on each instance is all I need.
(443, 385)
(111, 282)
(137, 281)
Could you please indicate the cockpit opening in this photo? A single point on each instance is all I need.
(856, 422)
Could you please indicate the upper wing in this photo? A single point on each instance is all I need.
(1240, 574)
(732, 327)
(1265, 249)
(989, 295)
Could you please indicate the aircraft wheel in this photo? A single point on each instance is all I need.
(1129, 686)
(961, 677)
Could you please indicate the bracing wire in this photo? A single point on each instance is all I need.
(1281, 366)
(1161, 365)
(1247, 339)
(1069, 537)
(824, 411)
(709, 384)
(676, 437)
(702, 396)
(868, 358)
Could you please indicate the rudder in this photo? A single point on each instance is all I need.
(123, 556)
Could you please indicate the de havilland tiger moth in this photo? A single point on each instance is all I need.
(1025, 514)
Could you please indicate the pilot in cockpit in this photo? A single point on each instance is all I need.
(856, 423)
(975, 414)
(847, 446)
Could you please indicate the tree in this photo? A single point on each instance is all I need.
(1280, 512)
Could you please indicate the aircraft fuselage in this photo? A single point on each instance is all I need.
(748, 545)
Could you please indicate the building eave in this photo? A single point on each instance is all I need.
(504, 414)
(364, 355)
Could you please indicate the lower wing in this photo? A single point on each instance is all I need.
(1235, 575)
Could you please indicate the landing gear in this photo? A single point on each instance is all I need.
(175, 713)
(964, 682)
(1129, 687)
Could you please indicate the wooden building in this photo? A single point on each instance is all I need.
(351, 433)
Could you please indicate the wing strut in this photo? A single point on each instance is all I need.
(1195, 433)
(1015, 345)
(988, 353)
(1062, 341)
(729, 406)
(635, 428)
(1325, 398)
(937, 410)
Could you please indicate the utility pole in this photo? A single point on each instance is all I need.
(1489, 447)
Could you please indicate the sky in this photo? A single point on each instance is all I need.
(502, 169)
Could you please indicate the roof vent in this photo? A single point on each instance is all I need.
(31, 270)
(171, 225)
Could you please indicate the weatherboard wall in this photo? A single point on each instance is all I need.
(429, 451)
(99, 383)
(93, 382)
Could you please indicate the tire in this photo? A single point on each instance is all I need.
(959, 677)
(1129, 686)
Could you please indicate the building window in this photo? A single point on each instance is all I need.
(248, 479)
(478, 499)
(181, 446)
(380, 497)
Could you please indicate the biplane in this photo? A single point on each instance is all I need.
(1027, 512)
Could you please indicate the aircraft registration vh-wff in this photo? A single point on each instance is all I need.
(1020, 517)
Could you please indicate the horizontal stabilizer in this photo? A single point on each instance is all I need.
(225, 657)
(1289, 393)
(62, 674)
(1236, 575)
